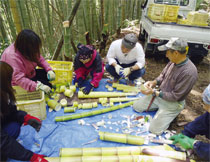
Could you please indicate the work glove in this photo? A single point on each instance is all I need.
(43, 87)
(38, 158)
(126, 72)
(32, 121)
(184, 141)
(80, 82)
(86, 87)
(119, 70)
(51, 75)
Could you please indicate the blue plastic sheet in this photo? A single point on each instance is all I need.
(55, 135)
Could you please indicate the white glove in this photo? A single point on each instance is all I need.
(51, 75)
(43, 87)
(126, 71)
(118, 68)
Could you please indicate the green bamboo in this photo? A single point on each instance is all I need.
(121, 138)
(29, 14)
(92, 113)
(48, 16)
(3, 32)
(132, 150)
(95, 21)
(15, 15)
(70, 18)
(116, 158)
(80, 25)
(103, 94)
(102, 14)
(8, 17)
(123, 3)
(44, 23)
(23, 12)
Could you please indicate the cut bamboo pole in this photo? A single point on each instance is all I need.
(120, 158)
(69, 109)
(91, 113)
(132, 150)
(103, 94)
(121, 138)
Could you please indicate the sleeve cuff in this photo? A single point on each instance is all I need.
(158, 82)
(161, 94)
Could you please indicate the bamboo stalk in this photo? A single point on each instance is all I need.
(121, 138)
(70, 18)
(120, 158)
(103, 94)
(132, 150)
(92, 113)
(23, 13)
(15, 15)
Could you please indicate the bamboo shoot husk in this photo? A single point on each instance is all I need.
(92, 113)
(120, 158)
(121, 138)
(103, 94)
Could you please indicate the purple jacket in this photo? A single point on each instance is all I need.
(24, 69)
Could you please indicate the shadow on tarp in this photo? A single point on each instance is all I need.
(55, 135)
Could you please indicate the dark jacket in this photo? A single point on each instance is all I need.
(200, 126)
(10, 148)
(95, 66)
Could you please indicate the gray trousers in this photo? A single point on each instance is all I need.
(167, 112)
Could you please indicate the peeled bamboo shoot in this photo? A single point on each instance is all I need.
(92, 113)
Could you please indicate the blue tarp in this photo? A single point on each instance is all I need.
(55, 135)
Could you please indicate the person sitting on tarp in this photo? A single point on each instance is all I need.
(175, 82)
(24, 56)
(200, 126)
(12, 120)
(88, 60)
(126, 58)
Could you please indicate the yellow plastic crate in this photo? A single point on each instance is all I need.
(156, 12)
(197, 18)
(182, 21)
(31, 102)
(63, 71)
(171, 13)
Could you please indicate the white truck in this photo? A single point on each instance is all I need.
(153, 33)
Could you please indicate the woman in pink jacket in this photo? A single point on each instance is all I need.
(24, 56)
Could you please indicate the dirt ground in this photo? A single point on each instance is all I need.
(194, 104)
